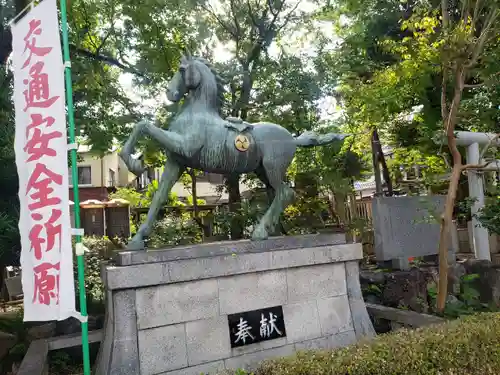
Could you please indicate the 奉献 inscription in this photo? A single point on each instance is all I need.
(251, 327)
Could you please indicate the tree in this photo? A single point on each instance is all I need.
(442, 56)
(465, 40)
(9, 186)
(251, 28)
(101, 114)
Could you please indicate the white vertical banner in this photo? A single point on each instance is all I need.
(42, 164)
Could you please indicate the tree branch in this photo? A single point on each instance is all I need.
(485, 149)
(288, 16)
(451, 119)
(444, 84)
(483, 37)
(105, 59)
(477, 11)
(445, 14)
(250, 13)
(235, 19)
(210, 10)
(473, 86)
(464, 13)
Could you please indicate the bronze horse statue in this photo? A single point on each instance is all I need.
(198, 137)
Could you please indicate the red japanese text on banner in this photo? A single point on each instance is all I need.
(41, 158)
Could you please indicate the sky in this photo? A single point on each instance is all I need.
(298, 43)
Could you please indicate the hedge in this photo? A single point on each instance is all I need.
(467, 346)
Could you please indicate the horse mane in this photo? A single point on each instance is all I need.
(220, 82)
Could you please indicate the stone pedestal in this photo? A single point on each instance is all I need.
(167, 310)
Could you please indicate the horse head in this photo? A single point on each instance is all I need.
(198, 79)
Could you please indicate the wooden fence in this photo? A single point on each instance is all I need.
(363, 211)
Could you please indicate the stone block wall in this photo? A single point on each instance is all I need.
(404, 227)
(171, 317)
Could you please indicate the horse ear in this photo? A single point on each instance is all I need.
(187, 54)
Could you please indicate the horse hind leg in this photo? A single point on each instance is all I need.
(283, 195)
(270, 193)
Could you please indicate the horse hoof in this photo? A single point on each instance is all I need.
(136, 167)
(259, 234)
(136, 245)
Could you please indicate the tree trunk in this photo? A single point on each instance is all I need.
(444, 235)
(194, 193)
(196, 209)
(233, 181)
(380, 160)
(376, 167)
(449, 122)
(233, 187)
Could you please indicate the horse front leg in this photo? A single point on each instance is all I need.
(170, 175)
(172, 142)
(135, 166)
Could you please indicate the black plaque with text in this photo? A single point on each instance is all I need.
(250, 327)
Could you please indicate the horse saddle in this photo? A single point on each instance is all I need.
(237, 124)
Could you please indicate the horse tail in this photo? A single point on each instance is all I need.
(310, 139)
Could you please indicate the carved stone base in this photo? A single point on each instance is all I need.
(167, 310)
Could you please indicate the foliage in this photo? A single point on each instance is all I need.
(489, 215)
(60, 363)
(467, 302)
(144, 198)
(463, 213)
(248, 214)
(175, 229)
(387, 73)
(131, 195)
(431, 79)
(404, 159)
(470, 347)
(306, 215)
(100, 249)
(102, 110)
(14, 325)
(9, 205)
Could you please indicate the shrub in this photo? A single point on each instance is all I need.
(467, 346)
(489, 215)
(100, 249)
(175, 230)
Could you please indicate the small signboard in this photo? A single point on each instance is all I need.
(251, 327)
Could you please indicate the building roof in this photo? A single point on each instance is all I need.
(365, 185)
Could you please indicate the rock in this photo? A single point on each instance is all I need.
(370, 298)
(96, 322)
(476, 265)
(371, 277)
(455, 273)
(72, 325)
(43, 331)
(395, 326)
(7, 341)
(451, 299)
(409, 288)
(380, 325)
(68, 326)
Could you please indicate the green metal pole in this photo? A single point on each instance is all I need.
(76, 198)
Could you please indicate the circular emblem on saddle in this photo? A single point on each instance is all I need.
(241, 142)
